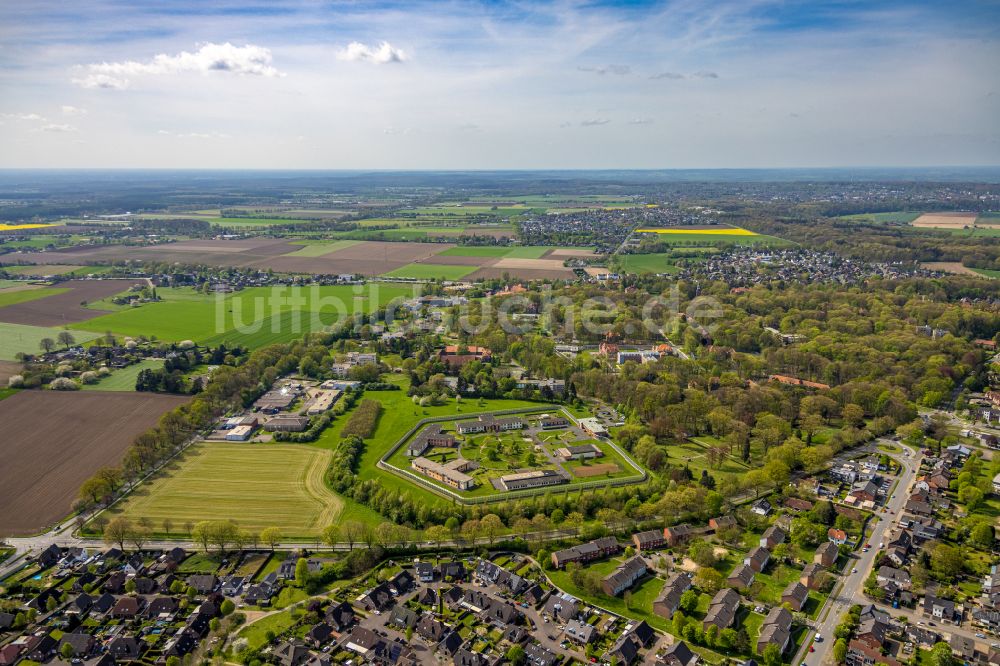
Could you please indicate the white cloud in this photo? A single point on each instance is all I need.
(32, 117)
(668, 75)
(381, 54)
(617, 70)
(56, 127)
(641, 121)
(594, 122)
(68, 110)
(249, 60)
(195, 135)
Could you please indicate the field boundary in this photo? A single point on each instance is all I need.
(384, 464)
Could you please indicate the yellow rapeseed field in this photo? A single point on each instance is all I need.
(727, 231)
(15, 227)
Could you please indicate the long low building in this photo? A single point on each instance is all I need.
(489, 423)
(624, 577)
(537, 478)
(579, 452)
(586, 552)
(451, 474)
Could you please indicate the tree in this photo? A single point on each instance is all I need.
(437, 534)
(118, 531)
(946, 561)
(139, 535)
(840, 651)
(66, 339)
(302, 572)
(491, 525)
(709, 580)
(66, 651)
(47, 345)
(941, 655)
(689, 601)
(627, 598)
(982, 536)
(94, 490)
(227, 607)
(771, 655)
(515, 655)
(352, 531)
(202, 533)
(331, 535)
(270, 536)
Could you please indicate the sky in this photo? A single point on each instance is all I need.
(499, 85)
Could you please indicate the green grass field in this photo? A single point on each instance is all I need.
(7, 284)
(700, 240)
(124, 379)
(432, 271)
(16, 338)
(987, 272)
(475, 251)
(321, 249)
(646, 263)
(258, 485)
(252, 221)
(253, 317)
(9, 297)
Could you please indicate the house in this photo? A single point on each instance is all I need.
(757, 558)
(795, 595)
(722, 522)
(536, 478)
(162, 608)
(452, 571)
(401, 583)
(318, 635)
(562, 607)
(723, 608)
(940, 609)
(126, 648)
(340, 616)
(494, 574)
(378, 598)
(287, 423)
(594, 428)
(649, 540)
(776, 630)
(624, 577)
(451, 473)
(797, 505)
(489, 423)
(536, 655)
(810, 576)
(669, 599)
(761, 507)
(867, 491)
(742, 577)
(836, 536)
(203, 583)
(424, 572)
(586, 552)
(624, 651)
(431, 629)
(772, 536)
(455, 356)
(292, 653)
(80, 645)
(678, 654)
(677, 534)
(888, 574)
(827, 553)
(361, 641)
(580, 632)
(403, 618)
(126, 607)
(859, 654)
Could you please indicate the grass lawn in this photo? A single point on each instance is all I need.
(256, 316)
(432, 271)
(7, 392)
(124, 379)
(768, 587)
(646, 263)
(256, 632)
(987, 272)
(11, 297)
(259, 485)
(694, 453)
(16, 338)
(529, 252)
(643, 595)
(321, 249)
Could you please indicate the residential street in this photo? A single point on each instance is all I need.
(849, 591)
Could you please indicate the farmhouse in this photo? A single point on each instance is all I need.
(489, 423)
(580, 452)
(451, 474)
(455, 356)
(586, 552)
(624, 577)
(593, 427)
(538, 478)
(286, 423)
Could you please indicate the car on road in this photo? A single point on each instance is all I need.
(980, 635)
(819, 638)
(854, 570)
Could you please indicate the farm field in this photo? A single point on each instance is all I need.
(987, 272)
(15, 338)
(64, 305)
(646, 263)
(432, 271)
(710, 236)
(15, 295)
(944, 220)
(320, 249)
(124, 379)
(949, 267)
(258, 485)
(46, 459)
(247, 317)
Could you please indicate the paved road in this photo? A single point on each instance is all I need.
(849, 590)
